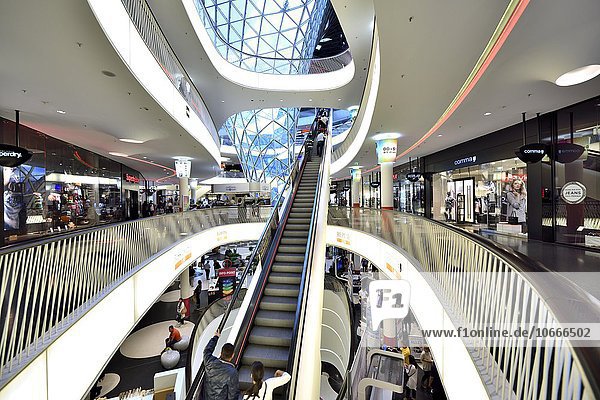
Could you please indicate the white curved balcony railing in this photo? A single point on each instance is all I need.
(48, 286)
(320, 74)
(355, 137)
(479, 285)
(135, 34)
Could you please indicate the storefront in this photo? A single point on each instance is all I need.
(61, 188)
(482, 184)
(409, 196)
(490, 195)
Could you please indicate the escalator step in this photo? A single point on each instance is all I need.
(294, 240)
(287, 278)
(296, 214)
(291, 249)
(278, 303)
(277, 319)
(270, 356)
(282, 289)
(288, 233)
(268, 336)
(298, 221)
(289, 257)
(297, 227)
(287, 267)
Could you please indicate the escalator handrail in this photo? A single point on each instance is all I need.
(298, 330)
(291, 180)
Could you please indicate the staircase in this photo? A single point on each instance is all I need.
(271, 334)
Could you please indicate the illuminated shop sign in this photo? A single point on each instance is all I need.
(573, 192)
(466, 160)
(568, 152)
(131, 178)
(386, 150)
(375, 184)
(13, 156)
(356, 174)
(531, 153)
(413, 176)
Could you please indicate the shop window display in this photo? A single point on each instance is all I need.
(490, 196)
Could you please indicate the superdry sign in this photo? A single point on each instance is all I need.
(531, 153)
(413, 176)
(13, 156)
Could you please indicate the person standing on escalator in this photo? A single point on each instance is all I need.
(320, 143)
(222, 379)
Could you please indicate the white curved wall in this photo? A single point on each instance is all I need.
(67, 368)
(344, 155)
(335, 332)
(261, 81)
(453, 361)
(126, 40)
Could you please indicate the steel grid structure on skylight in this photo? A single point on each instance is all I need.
(264, 141)
(266, 36)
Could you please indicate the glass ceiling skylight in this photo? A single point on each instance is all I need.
(267, 36)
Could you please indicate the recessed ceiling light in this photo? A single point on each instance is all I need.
(109, 74)
(222, 101)
(61, 111)
(440, 135)
(339, 99)
(386, 135)
(117, 154)
(132, 141)
(145, 157)
(578, 75)
(280, 99)
(309, 99)
(487, 113)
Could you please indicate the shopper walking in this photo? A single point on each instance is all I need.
(264, 390)
(181, 311)
(411, 374)
(222, 380)
(426, 363)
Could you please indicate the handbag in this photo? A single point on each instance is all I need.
(513, 219)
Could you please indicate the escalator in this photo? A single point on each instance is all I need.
(269, 325)
(270, 334)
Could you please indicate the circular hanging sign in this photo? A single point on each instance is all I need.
(568, 152)
(13, 156)
(375, 184)
(573, 192)
(532, 152)
(413, 176)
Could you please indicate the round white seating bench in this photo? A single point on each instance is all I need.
(183, 344)
(170, 358)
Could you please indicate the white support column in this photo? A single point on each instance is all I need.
(184, 193)
(356, 186)
(387, 186)
(185, 289)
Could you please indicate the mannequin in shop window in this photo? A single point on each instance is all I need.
(517, 201)
(449, 206)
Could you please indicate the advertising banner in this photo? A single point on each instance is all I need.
(386, 150)
(226, 281)
(356, 174)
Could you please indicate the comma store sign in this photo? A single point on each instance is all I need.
(13, 156)
(465, 161)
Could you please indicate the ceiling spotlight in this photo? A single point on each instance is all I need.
(487, 114)
(440, 135)
(339, 99)
(135, 141)
(117, 154)
(280, 99)
(145, 157)
(387, 135)
(578, 75)
(309, 99)
(61, 111)
(222, 101)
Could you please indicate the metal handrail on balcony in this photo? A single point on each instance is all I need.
(480, 282)
(315, 65)
(142, 17)
(47, 285)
